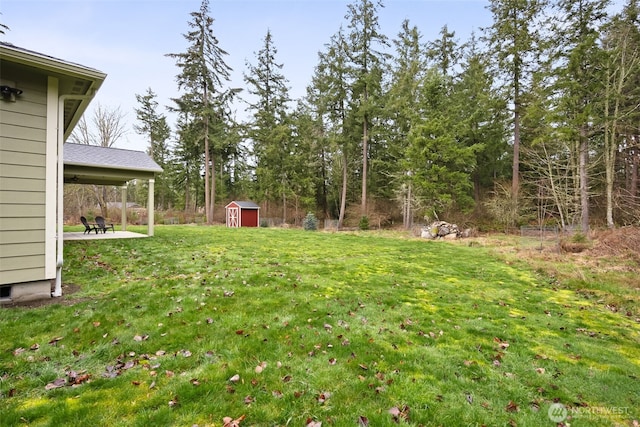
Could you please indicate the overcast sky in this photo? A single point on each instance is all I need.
(127, 39)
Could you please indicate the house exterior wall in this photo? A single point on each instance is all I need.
(25, 178)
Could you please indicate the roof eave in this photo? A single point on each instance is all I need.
(48, 63)
(94, 165)
(57, 66)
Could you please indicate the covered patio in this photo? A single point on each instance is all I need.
(91, 164)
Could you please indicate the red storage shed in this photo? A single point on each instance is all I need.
(242, 214)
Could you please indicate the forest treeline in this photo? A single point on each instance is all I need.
(534, 119)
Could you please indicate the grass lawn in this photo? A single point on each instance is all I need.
(286, 327)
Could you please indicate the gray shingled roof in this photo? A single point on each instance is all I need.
(93, 155)
(48, 57)
(246, 204)
(90, 164)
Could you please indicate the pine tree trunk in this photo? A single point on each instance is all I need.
(584, 180)
(207, 199)
(325, 206)
(213, 186)
(343, 195)
(634, 173)
(515, 183)
(284, 204)
(365, 149)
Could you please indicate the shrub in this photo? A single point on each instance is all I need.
(310, 222)
(364, 223)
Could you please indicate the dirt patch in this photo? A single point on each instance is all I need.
(66, 299)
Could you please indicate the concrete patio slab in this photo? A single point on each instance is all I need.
(79, 235)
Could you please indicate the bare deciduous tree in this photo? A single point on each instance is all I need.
(107, 127)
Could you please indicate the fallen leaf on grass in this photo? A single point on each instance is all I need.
(312, 423)
(230, 422)
(34, 347)
(363, 421)
(18, 351)
(323, 397)
(235, 378)
(512, 407)
(399, 414)
(502, 344)
(55, 340)
(173, 402)
(79, 379)
(57, 383)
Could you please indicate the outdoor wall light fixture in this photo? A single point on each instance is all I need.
(9, 93)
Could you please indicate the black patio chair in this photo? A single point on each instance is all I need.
(88, 228)
(102, 226)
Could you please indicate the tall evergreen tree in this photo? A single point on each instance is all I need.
(367, 64)
(154, 126)
(514, 37)
(579, 80)
(329, 94)
(203, 75)
(481, 117)
(444, 52)
(402, 111)
(442, 165)
(269, 128)
(621, 41)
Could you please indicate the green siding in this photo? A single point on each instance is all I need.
(22, 177)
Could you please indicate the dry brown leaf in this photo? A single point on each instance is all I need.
(512, 407)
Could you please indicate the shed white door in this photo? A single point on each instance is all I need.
(233, 217)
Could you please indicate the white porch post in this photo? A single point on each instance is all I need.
(123, 199)
(150, 207)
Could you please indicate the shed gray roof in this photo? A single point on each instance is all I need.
(92, 164)
(245, 204)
